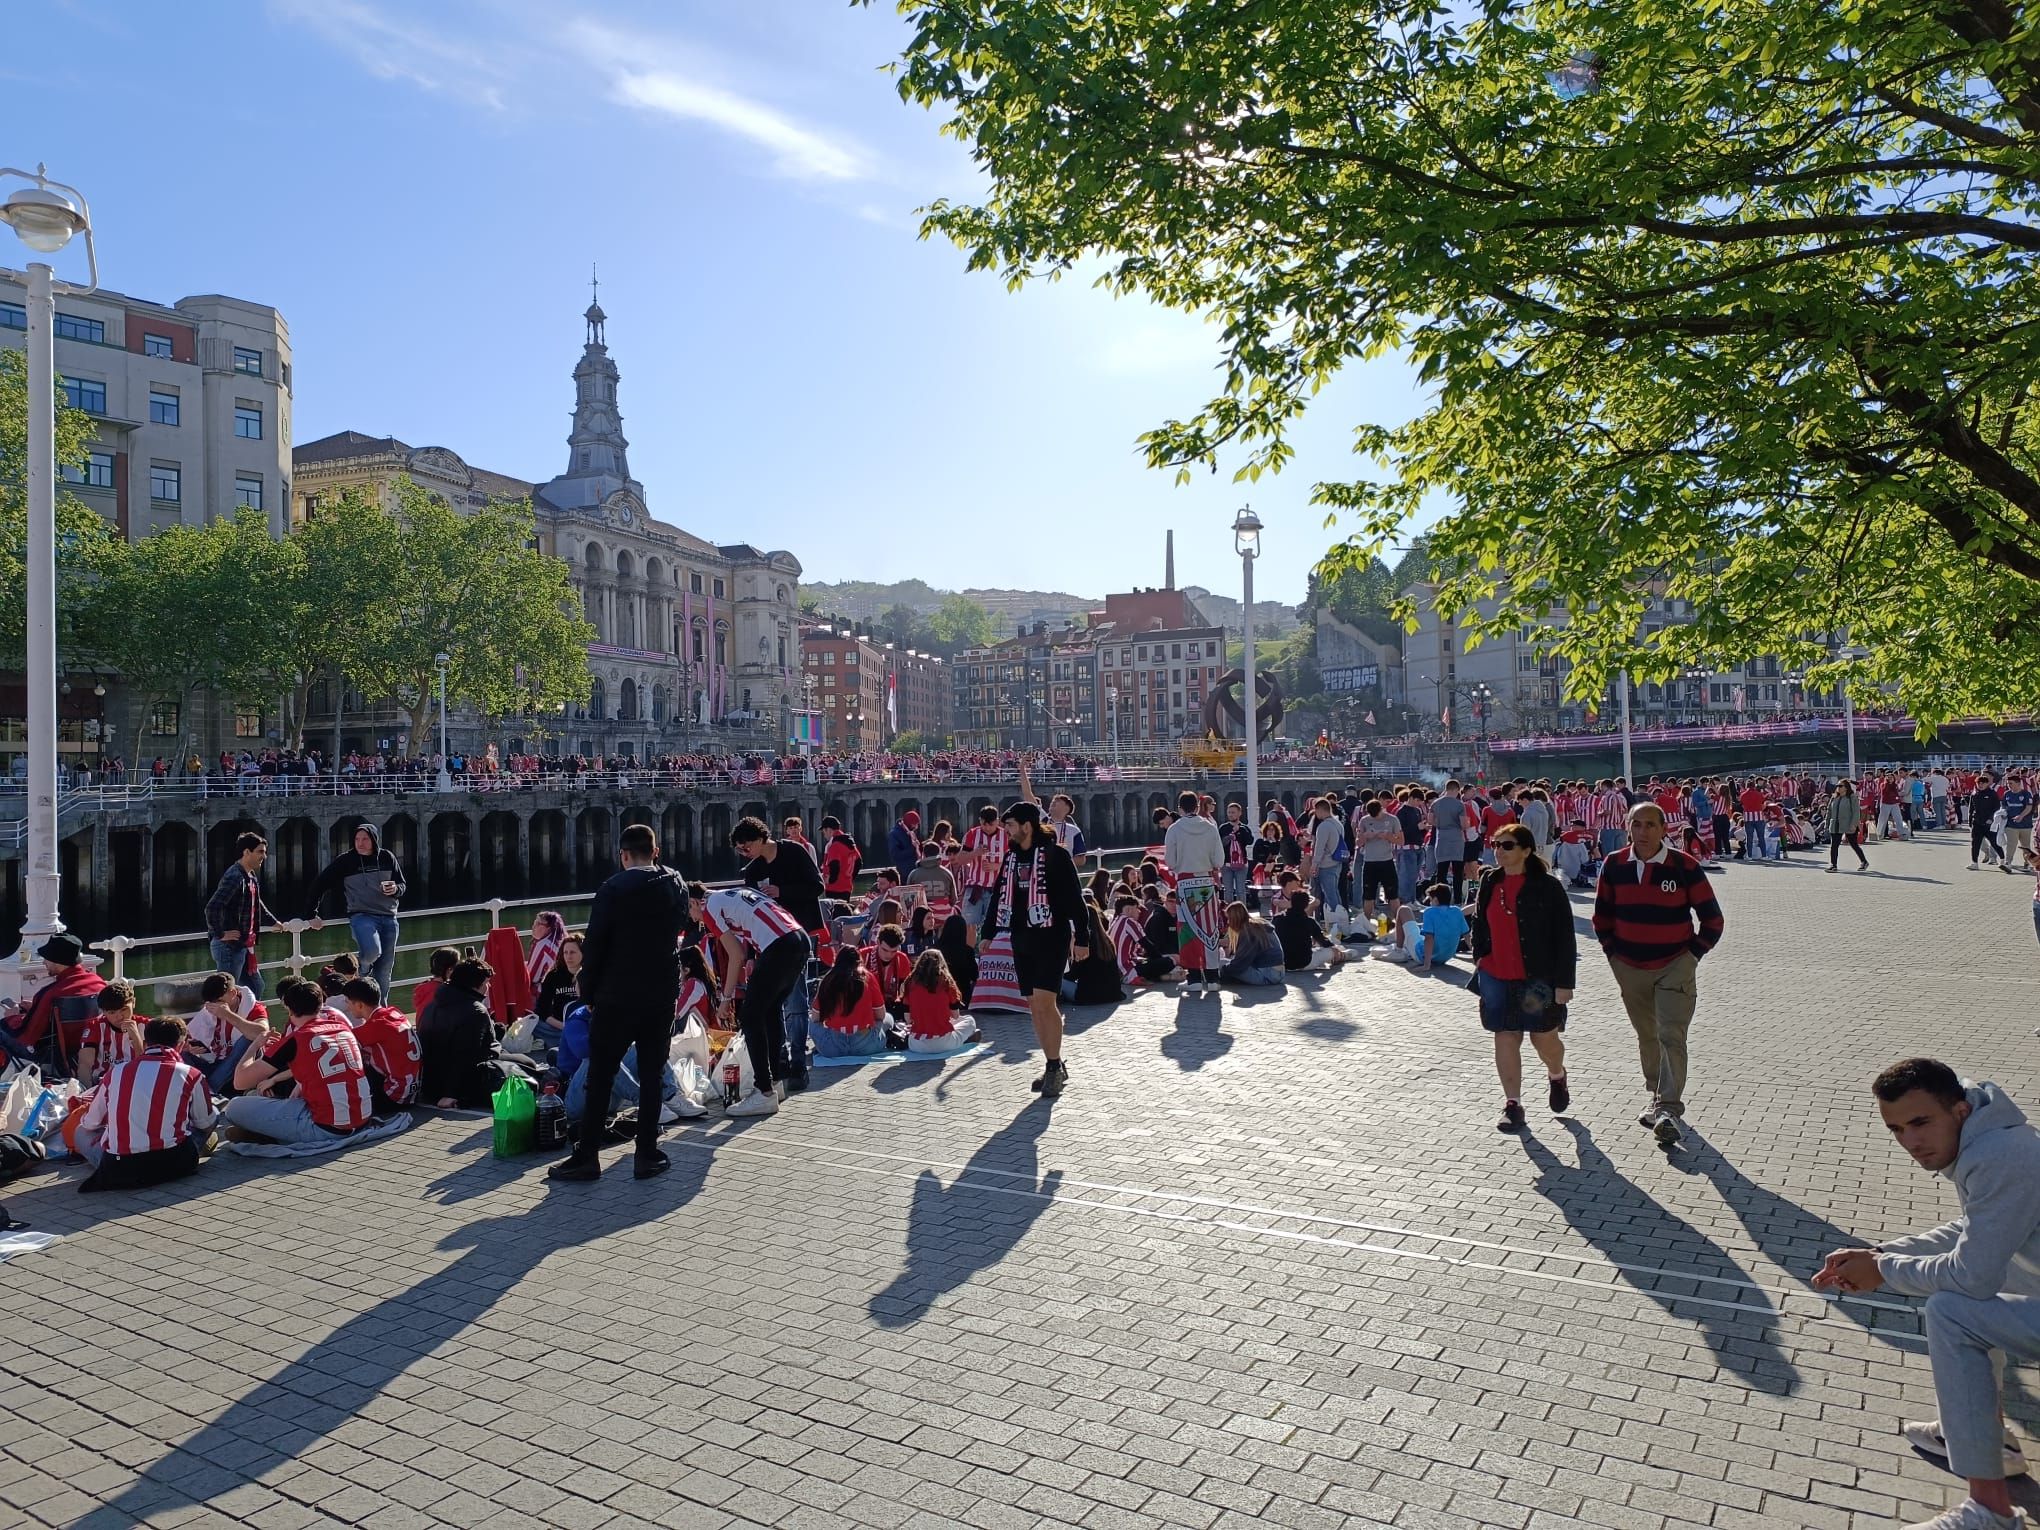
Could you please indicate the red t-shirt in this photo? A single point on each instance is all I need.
(890, 970)
(1505, 945)
(325, 1060)
(421, 995)
(1754, 800)
(389, 1044)
(863, 1015)
(928, 1013)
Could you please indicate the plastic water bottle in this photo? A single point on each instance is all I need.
(732, 1084)
(552, 1119)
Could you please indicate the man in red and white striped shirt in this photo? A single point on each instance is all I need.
(1610, 817)
(323, 1059)
(115, 1037)
(147, 1115)
(984, 849)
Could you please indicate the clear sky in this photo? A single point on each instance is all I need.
(422, 188)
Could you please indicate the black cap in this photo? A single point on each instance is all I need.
(61, 949)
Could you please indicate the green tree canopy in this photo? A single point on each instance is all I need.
(84, 540)
(1729, 301)
(961, 623)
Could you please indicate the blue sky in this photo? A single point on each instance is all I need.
(421, 189)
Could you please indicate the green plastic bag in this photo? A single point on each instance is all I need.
(516, 1112)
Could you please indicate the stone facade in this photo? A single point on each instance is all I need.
(695, 642)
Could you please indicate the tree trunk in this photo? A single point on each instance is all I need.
(339, 683)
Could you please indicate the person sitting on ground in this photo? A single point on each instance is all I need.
(442, 963)
(623, 1094)
(1574, 855)
(147, 1116)
(338, 972)
(851, 1006)
(560, 987)
(935, 1018)
(212, 1043)
(921, 929)
(699, 992)
(463, 1064)
(1160, 935)
(24, 1028)
(1255, 952)
(1095, 979)
(887, 959)
(1303, 938)
(321, 1058)
(1129, 944)
(389, 1045)
(959, 955)
(115, 1037)
(1980, 1274)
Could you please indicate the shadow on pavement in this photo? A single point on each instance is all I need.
(956, 1230)
(1626, 1224)
(1199, 1036)
(303, 1403)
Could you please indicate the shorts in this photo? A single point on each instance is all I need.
(1377, 877)
(1039, 961)
(1498, 1012)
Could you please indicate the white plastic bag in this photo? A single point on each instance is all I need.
(692, 1042)
(24, 1093)
(694, 1080)
(522, 1036)
(46, 1120)
(747, 1080)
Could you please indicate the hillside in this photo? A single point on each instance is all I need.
(862, 600)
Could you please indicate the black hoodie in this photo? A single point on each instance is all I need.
(359, 878)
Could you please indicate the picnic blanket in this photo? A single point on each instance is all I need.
(895, 1057)
(372, 1133)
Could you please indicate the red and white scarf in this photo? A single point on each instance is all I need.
(1039, 916)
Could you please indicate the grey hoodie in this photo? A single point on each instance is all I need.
(1994, 1246)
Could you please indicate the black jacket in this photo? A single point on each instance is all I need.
(797, 879)
(1544, 927)
(1067, 917)
(630, 957)
(457, 1049)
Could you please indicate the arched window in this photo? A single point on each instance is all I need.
(658, 703)
(626, 704)
(594, 555)
(597, 699)
(624, 565)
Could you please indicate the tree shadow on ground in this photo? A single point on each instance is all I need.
(954, 1231)
(303, 1403)
(1622, 1220)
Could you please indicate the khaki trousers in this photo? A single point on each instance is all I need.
(1660, 1003)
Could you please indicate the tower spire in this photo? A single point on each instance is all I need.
(1169, 561)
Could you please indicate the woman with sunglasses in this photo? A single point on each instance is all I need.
(1526, 960)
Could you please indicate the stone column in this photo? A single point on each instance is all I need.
(476, 861)
(570, 847)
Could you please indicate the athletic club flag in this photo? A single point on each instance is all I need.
(1370, 719)
(892, 702)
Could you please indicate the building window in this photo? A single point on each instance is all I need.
(718, 589)
(163, 407)
(71, 327)
(694, 583)
(248, 490)
(13, 316)
(247, 361)
(157, 345)
(248, 421)
(248, 722)
(166, 482)
(88, 396)
(165, 717)
(96, 474)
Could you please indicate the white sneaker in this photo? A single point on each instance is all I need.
(1971, 1515)
(779, 1091)
(680, 1108)
(756, 1103)
(1925, 1436)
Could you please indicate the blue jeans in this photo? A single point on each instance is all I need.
(1613, 840)
(830, 1042)
(1756, 844)
(1250, 977)
(375, 945)
(794, 1015)
(1326, 884)
(1232, 884)
(1409, 873)
(220, 1075)
(289, 1121)
(623, 1094)
(12, 1049)
(977, 902)
(232, 957)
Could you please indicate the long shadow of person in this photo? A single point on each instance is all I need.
(1199, 1037)
(305, 1401)
(1642, 1237)
(956, 1230)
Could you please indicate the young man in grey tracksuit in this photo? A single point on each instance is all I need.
(1979, 1273)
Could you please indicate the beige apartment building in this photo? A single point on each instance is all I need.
(192, 406)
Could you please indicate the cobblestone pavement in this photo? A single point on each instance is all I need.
(1267, 1263)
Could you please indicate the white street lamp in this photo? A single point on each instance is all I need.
(445, 759)
(1628, 765)
(47, 215)
(1849, 706)
(1247, 542)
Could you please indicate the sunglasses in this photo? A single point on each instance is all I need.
(1510, 844)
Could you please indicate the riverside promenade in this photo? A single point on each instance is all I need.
(1267, 1263)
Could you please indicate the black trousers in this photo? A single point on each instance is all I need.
(1853, 839)
(1981, 834)
(612, 1031)
(762, 1015)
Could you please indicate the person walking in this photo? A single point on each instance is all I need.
(1195, 854)
(1984, 803)
(1655, 916)
(1845, 822)
(2018, 803)
(1039, 905)
(371, 885)
(630, 978)
(235, 913)
(1526, 961)
(1980, 1274)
